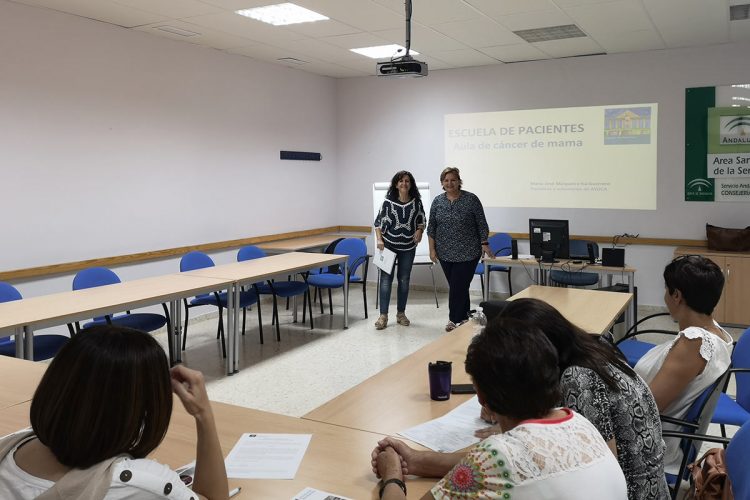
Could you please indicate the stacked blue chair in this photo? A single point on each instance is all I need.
(45, 346)
(736, 411)
(500, 244)
(356, 249)
(199, 260)
(285, 289)
(578, 250)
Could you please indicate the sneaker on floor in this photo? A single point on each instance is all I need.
(402, 320)
(450, 326)
(382, 322)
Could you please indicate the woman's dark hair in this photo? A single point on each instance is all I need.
(106, 393)
(515, 367)
(392, 193)
(699, 280)
(454, 171)
(574, 346)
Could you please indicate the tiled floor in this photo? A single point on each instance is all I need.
(309, 367)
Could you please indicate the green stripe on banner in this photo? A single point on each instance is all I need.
(698, 187)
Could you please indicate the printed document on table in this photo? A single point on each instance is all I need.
(384, 259)
(453, 431)
(267, 456)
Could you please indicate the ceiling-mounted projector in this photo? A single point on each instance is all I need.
(405, 65)
(402, 67)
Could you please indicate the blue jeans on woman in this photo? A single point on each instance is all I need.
(404, 263)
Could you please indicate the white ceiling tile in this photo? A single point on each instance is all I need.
(440, 11)
(323, 28)
(266, 52)
(232, 5)
(571, 3)
(478, 33)
(362, 14)
(102, 10)
(683, 23)
(422, 39)
(465, 57)
(206, 36)
(499, 8)
(613, 17)
(531, 20)
(356, 41)
(174, 9)
(433, 63)
(515, 53)
(334, 70)
(318, 49)
(630, 41)
(569, 47)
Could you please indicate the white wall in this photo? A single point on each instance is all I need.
(386, 125)
(117, 142)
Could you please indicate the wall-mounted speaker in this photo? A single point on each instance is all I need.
(300, 155)
(514, 249)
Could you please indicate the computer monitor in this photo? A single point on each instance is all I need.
(549, 238)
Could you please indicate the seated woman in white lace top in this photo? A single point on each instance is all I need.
(103, 405)
(543, 453)
(680, 370)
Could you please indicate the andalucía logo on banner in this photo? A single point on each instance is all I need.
(734, 130)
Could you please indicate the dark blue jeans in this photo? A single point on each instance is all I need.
(459, 276)
(404, 263)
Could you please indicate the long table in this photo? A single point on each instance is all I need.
(316, 242)
(541, 270)
(398, 397)
(252, 271)
(20, 378)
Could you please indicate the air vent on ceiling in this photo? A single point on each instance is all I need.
(177, 31)
(291, 60)
(551, 33)
(739, 12)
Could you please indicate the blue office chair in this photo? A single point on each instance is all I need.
(320, 270)
(356, 249)
(634, 349)
(736, 411)
(278, 288)
(737, 456)
(101, 276)
(500, 244)
(199, 260)
(45, 346)
(578, 250)
(695, 422)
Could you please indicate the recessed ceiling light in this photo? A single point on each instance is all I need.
(282, 14)
(384, 51)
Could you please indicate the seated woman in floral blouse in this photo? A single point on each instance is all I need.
(543, 452)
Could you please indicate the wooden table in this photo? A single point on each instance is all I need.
(542, 269)
(398, 397)
(262, 269)
(316, 242)
(24, 316)
(20, 378)
(337, 460)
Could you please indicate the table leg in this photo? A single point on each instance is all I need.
(346, 293)
(486, 281)
(230, 333)
(18, 336)
(631, 317)
(236, 348)
(294, 305)
(178, 331)
(28, 343)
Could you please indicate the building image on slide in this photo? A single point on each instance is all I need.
(627, 125)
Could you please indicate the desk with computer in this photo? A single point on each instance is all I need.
(551, 249)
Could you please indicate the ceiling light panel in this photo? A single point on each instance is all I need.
(282, 14)
(550, 33)
(383, 51)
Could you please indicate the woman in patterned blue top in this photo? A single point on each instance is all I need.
(597, 383)
(399, 227)
(458, 234)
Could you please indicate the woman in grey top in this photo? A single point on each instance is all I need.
(457, 232)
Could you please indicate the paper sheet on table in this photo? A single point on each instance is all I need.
(313, 494)
(267, 456)
(452, 432)
(384, 259)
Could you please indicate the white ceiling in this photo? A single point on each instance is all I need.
(446, 33)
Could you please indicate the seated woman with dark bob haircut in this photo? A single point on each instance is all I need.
(598, 384)
(102, 406)
(543, 452)
(678, 371)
